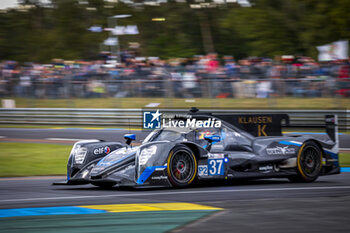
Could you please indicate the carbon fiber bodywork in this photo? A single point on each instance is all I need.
(239, 154)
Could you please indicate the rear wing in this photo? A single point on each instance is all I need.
(272, 124)
(257, 124)
(332, 129)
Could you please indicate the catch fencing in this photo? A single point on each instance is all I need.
(210, 87)
(133, 117)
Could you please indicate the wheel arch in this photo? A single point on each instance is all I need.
(197, 151)
(317, 143)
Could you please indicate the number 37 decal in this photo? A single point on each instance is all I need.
(216, 167)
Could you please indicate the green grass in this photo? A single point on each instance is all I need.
(344, 159)
(31, 159)
(244, 103)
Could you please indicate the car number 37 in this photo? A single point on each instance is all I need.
(216, 167)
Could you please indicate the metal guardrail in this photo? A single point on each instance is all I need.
(133, 117)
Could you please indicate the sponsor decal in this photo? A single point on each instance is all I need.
(107, 150)
(101, 150)
(261, 130)
(156, 120)
(97, 169)
(255, 120)
(216, 146)
(286, 150)
(266, 168)
(202, 170)
(216, 156)
(159, 177)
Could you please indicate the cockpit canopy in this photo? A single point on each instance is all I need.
(229, 137)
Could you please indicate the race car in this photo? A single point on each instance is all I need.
(179, 156)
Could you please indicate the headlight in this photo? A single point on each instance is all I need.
(79, 155)
(147, 153)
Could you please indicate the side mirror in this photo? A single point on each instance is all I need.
(211, 139)
(129, 138)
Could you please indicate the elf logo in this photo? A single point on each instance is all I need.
(101, 150)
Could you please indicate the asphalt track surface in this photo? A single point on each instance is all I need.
(68, 134)
(269, 205)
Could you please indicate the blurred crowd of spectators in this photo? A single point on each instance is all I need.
(200, 76)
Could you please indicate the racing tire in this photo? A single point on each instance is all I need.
(182, 166)
(309, 163)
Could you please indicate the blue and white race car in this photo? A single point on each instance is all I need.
(177, 157)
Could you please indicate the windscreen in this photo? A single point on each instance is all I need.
(168, 134)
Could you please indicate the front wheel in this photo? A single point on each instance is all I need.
(309, 163)
(182, 166)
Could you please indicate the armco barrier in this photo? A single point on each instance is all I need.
(133, 117)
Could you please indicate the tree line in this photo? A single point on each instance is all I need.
(268, 28)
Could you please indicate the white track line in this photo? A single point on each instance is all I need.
(2, 137)
(63, 139)
(176, 193)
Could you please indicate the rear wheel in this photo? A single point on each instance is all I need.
(309, 163)
(182, 166)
